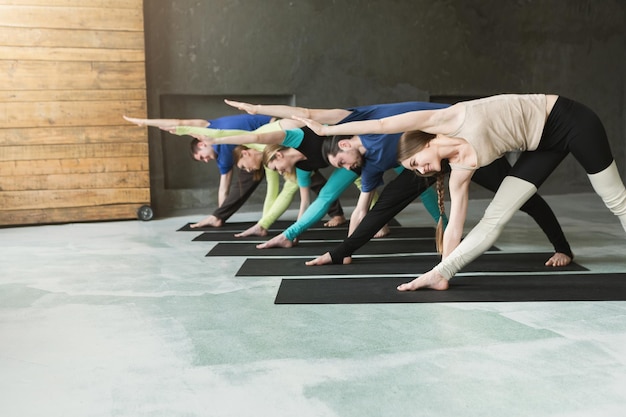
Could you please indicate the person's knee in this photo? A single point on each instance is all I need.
(511, 195)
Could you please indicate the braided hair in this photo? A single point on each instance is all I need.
(409, 144)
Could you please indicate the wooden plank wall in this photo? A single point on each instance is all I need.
(69, 69)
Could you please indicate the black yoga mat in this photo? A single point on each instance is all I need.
(278, 225)
(315, 248)
(494, 288)
(328, 234)
(240, 226)
(396, 265)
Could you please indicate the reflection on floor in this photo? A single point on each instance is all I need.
(131, 319)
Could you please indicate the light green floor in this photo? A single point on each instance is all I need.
(131, 319)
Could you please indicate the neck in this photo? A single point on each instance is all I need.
(456, 150)
(358, 145)
(295, 155)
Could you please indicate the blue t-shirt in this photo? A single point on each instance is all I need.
(382, 149)
(224, 153)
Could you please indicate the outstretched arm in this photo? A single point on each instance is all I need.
(325, 116)
(432, 121)
(167, 124)
(231, 137)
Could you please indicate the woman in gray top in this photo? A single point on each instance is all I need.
(474, 133)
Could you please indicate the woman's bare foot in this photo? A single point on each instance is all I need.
(559, 259)
(335, 221)
(384, 231)
(255, 230)
(431, 279)
(278, 241)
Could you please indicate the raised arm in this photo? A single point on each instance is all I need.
(431, 121)
(167, 124)
(325, 116)
(231, 137)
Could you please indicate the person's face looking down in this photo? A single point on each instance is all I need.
(247, 162)
(348, 156)
(280, 164)
(425, 161)
(204, 153)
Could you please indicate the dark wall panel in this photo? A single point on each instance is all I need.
(337, 54)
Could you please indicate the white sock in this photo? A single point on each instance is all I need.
(609, 186)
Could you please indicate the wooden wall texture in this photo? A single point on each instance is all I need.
(69, 69)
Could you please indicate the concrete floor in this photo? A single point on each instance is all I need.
(131, 319)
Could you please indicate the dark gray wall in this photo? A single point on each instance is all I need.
(332, 53)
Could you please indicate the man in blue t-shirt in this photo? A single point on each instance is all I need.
(374, 154)
(229, 199)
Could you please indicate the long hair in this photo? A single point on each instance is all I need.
(269, 154)
(409, 144)
(257, 174)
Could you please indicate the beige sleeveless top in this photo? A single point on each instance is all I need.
(503, 123)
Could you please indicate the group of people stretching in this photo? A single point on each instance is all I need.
(423, 142)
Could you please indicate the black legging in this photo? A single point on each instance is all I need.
(571, 127)
(407, 186)
(245, 186)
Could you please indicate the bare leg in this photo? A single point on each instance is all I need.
(255, 230)
(278, 241)
(432, 279)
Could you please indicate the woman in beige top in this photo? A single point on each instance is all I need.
(471, 134)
